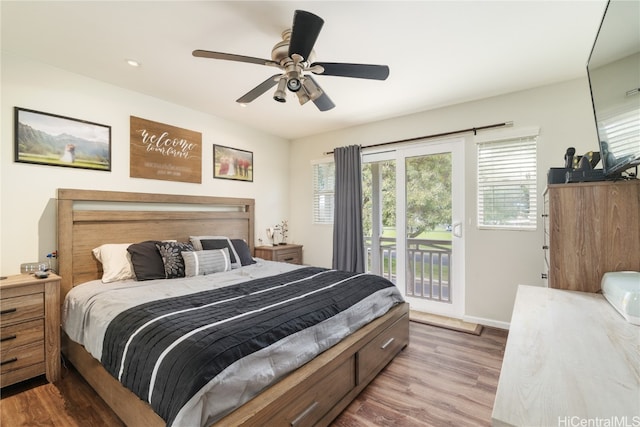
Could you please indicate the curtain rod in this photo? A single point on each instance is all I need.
(436, 135)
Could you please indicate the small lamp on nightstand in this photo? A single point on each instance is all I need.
(271, 233)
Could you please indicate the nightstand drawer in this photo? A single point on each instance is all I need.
(22, 363)
(291, 256)
(20, 334)
(289, 253)
(21, 357)
(18, 309)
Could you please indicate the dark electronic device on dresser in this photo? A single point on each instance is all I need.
(577, 168)
(613, 70)
(584, 168)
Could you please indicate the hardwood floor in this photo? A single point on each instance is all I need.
(442, 378)
(70, 402)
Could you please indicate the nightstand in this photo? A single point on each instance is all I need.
(282, 253)
(29, 328)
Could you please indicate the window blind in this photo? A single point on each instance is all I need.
(507, 193)
(323, 192)
(622, 132)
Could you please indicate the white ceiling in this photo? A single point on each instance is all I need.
(439, 52)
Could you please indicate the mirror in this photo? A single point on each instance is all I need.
(614, 77)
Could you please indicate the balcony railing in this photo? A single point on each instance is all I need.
(428, 271)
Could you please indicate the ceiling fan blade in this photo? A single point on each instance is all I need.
(231, 57)
(304, 33)
(259, 90)
(323, 102)
(360, 71)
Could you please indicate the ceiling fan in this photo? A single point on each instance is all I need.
(294, 55)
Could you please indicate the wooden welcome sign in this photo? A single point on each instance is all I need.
(161, 151)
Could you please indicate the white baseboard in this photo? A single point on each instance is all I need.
(487, 322)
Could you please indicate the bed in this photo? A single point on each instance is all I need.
(313, 391)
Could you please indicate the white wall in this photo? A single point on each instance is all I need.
(496, 261)
(28, 192)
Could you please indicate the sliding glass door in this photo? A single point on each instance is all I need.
(413, 214)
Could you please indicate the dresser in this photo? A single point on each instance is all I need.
(282, 253)
(591, 228)
(570, 359)
(29, 328)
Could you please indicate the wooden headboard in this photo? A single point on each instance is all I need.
(90, 218)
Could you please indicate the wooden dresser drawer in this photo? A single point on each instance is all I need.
(282, 253)
(21, 308)
(292, 256)
(313, 404)
(377, 353)
(20, 334)
(20, 363)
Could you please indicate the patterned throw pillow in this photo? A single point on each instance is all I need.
(171, 253)
(198, 263)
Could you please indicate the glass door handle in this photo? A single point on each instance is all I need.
(457, 229)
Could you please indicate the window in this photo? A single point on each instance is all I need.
(507, 171)
(324, 174)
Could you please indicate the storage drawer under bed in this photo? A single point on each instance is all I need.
(313, 404)
(379, 351)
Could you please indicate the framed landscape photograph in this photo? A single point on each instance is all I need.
(231, 163)
(49, 139)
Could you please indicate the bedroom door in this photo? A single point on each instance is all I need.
(413, 212)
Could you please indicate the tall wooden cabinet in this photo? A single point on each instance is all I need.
(591, 228)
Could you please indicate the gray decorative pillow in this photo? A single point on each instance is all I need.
(216, 242)
(198, 263)
(243, 251)
(223, 243)
(171, 253)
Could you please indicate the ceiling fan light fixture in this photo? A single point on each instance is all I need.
(293, 72)
(293, 84)
(311, 89)
(294, 56)
(280, 94)
(303, 97)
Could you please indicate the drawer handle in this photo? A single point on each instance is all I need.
(306, 412)
(9, 310)
(6, 362)
(289, 259)
(385, 345)
(8, 338)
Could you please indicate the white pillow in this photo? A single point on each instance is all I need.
(198, 263)
(116, 262)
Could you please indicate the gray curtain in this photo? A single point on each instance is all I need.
(348, 242)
